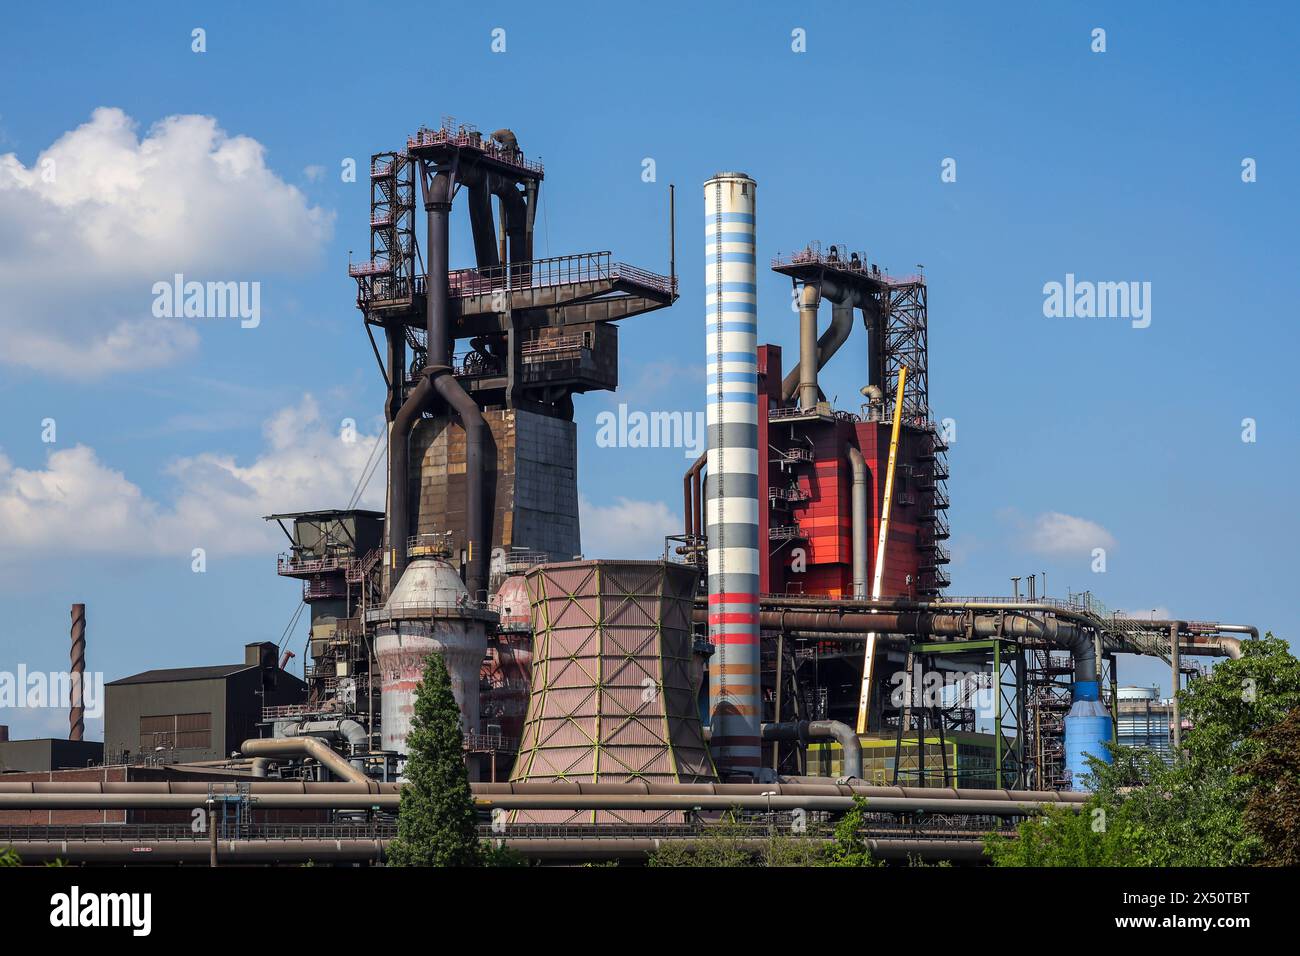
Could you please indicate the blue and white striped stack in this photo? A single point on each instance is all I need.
(731, 487)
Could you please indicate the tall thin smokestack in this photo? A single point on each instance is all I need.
(731, 488)
(77, 713)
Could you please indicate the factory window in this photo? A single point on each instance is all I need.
(176, 732)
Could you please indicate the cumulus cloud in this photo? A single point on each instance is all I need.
(626, 528)
(104, 213)
(1057, 533)
(78, 504)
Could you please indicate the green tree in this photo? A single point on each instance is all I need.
(1062, 837)
(8, 857)
(847, 847)
(436, 824)
(1145, 812)
(727, 843)
(1272, 812)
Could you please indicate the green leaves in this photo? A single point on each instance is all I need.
(437, 824)
(1231, 799)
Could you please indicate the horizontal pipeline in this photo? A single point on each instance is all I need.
(680, 802)
(154, 852)
(798, 787)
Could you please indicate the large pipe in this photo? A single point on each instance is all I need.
(438, 380)
(486, 253)
(477, 439)
(802, 731)
(770, 799)
(344, 729)
(809, 300)
(858, 511)
(438, 326)
(155, 852)
(399, 474)
(77, 690)
(312, 747)
(843, 302)
(731, 488)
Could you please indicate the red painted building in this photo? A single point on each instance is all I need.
(808, 522)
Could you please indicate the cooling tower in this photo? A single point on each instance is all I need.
(731, 487)
(611, 697)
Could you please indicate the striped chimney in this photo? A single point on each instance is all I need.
(77, 713)
(731, 487)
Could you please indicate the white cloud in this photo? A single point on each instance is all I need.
(313, 173)
(626, 528)
(1057, 533)
(78, 504)
(102, 214)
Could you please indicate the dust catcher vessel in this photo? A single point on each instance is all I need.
(428, 612)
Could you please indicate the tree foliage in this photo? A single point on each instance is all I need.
(729, 843)
(1272, 812)
(1193, 812)
(436, 824)
(847, 847)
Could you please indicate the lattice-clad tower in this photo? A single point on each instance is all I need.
(612, 696)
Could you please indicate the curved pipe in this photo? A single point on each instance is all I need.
(349, 730)
(691, 497)
(858, 511)
(312, 747)
(843, 302)
(439, 380)
(399, 473)
(476, 442)
(801, 731)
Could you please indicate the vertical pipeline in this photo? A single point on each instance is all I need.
(731, 486)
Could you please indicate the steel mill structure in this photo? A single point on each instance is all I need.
(792, 648)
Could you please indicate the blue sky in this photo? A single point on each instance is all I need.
(1115, 166)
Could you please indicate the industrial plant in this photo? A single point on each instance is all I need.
(792, 648)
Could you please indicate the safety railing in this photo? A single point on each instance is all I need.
(812, 255)
(486, 743)
(467, 137)
(372, 268)
(555, 271)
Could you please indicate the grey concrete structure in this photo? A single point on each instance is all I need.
(48, 753)
(195, 713)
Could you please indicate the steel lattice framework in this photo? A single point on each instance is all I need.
(905, 320)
